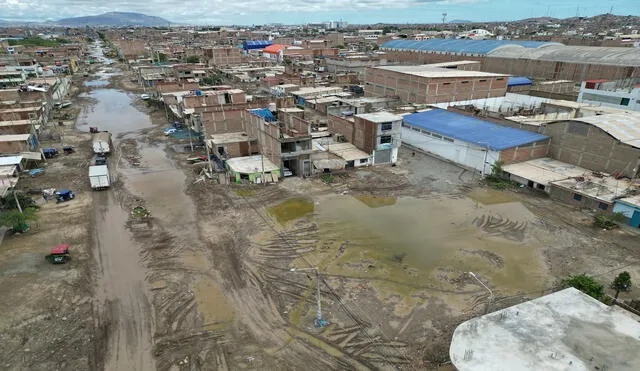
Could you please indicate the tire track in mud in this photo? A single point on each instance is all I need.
(354, 341)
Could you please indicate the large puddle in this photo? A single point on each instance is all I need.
(407, 245)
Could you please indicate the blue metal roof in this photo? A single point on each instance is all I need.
(256, 44)
(481, 47)
(518, 81)
(471, 129)
(264, 113)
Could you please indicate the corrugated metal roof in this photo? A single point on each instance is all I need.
(625, 127)
(518, 81)
(10, 160)
(256, 44)
(460, 46)
(573, 54)
(471, 129)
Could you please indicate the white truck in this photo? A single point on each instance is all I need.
(102, 143)
(99, 177)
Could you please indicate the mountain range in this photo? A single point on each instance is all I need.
(111, 19)
(114, 19)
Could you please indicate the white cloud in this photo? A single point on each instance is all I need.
(199, 11)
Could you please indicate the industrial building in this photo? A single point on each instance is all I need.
(534, 59)
(565, 330)
(435, 83)
(469, 141)
(608, 143)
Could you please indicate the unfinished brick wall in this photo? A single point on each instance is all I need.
(339, 125)
(427, 90)
(301, 126)
(525, 153)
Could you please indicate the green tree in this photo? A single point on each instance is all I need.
(193, 59)
(8, 202)
(15, 219)
(586, 284)
(621, 283)
(162, 57)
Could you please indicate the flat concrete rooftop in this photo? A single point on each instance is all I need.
(566, 330)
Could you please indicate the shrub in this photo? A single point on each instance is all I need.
(586, 284)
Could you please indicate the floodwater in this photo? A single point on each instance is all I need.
(408, 244)
(113, 112)
(122, 299)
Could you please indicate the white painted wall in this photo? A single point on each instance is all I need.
(632, 94)
(463, 153)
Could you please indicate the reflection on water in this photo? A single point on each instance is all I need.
(429, 242)
(112, 112)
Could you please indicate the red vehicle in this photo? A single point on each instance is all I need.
(59, 254)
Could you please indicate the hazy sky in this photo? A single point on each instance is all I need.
(248, 12)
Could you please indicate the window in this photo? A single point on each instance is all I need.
(385, 139)
(577, 197)
(363, 160)
(415, 129)
(624, 102)
(483, 80)
(603, 206)
(448, 139)
(446, 83)
(436, 135)
(499, 79)
(465, 82)
(385, 126)
(425, 132)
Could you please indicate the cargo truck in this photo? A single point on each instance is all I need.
(99, 177)
(102, 143)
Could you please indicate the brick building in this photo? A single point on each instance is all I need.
(435, 83)
(223, 56)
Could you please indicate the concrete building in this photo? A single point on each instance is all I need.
(471, 142)
(623, 94)
(230, 145)
(253, 169)
(286, 143)
(377, 134)
(534, 59)
(427, 84)
(566, 330)
(355, 63)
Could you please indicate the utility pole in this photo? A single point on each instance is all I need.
(318, 322)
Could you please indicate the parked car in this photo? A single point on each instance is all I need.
(169, 131)
(286, 172)
(145, 96)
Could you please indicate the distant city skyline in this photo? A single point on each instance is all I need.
(248, 12)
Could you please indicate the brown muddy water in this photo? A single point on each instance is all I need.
(414, 245)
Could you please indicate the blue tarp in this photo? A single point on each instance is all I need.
(265, 114)
(471, 130)
(256, 44)
(518, 81)
(480, 47)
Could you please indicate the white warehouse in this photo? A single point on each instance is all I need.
(471, 142)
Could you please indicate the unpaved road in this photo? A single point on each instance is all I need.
(121, 299)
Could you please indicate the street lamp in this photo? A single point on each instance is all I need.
(319, 322)
(486, 310)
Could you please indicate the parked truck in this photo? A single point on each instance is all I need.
(99, 177)
(102, 143)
